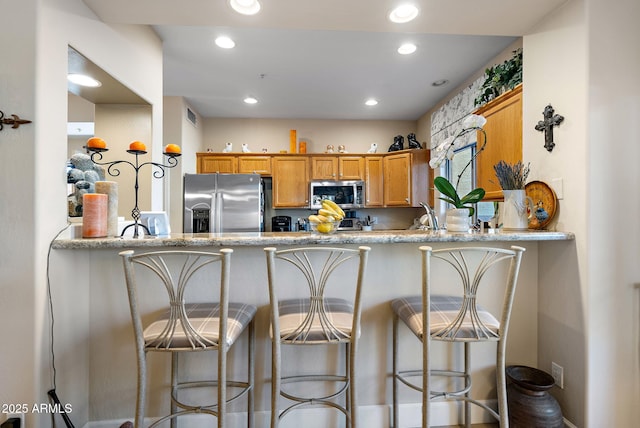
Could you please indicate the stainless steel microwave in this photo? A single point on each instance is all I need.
(348, 194)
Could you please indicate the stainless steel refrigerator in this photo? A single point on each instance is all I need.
(223, 203)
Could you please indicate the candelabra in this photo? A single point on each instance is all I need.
(114, 171)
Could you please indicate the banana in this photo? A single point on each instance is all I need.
(319, 218)
(333, 206)
(328, 208)
(329, 213)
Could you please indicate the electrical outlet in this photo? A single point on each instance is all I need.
(557, 372)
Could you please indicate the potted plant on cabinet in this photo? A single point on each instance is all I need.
(457, 218)
(501, 78)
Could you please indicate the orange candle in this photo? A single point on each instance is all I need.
(94, 215)
(110, 188)
(303, 147)
(293, 140)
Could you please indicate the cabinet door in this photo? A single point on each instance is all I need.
(254, 165)
(208, 164)
(397, 180)
(290, 181)
(504, 139)
(374, 180)
(324, 168)
(350, 167)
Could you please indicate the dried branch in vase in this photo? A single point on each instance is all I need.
(511, 177)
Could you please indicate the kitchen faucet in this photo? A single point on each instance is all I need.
(432, 218)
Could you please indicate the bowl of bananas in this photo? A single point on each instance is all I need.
(328, 218)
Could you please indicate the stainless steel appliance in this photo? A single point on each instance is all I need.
(223, 203)
(349, 194)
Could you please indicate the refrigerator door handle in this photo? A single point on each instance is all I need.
(213, 214)
(217, 214)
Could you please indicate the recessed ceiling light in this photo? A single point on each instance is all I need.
(440, 82)
(250, 100)
(245, 7)
(225, 42)
(84, 80)
(371, 102)
(403, 13)
(407, 48)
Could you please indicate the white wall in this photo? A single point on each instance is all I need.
(33, 189)
(179, 130)
(584, 61)
(273, 134)
(559, 76)
(19, 319)
(119, 125)
(613, 131)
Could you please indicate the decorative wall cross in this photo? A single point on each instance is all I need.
(546, 125)
(15, 121)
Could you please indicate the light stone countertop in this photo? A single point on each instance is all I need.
(306, 238)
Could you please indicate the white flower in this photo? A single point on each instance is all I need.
(441, 152)
(474, 121)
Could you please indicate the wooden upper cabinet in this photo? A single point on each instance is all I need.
(248, 164)
(350, 167)
(324, 168)
(396, 179)
(208, 164)
(406, 178)
(337, 167)
(290, 181)
(374, 181)
(504, 139)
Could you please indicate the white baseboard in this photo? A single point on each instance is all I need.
(375, 416)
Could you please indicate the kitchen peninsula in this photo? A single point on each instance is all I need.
(263, 239)
(95, 353)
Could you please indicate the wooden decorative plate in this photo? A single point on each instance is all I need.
(545, 204)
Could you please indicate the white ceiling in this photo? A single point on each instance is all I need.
(323, 59)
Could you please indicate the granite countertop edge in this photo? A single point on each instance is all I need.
(305, 238)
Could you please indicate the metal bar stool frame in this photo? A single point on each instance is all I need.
(467, 324)
(181, 333)
(316, 325)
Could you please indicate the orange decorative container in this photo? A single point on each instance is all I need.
(303, 147)
(293, 141)
(94, 215)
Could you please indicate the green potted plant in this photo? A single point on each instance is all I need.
(451, 195)
(501, 78)
(463, 206)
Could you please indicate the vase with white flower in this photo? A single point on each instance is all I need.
(518, 207)
(457, 218)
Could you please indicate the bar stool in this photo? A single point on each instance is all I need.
(185, 326)
(456, 317)
(324, 309)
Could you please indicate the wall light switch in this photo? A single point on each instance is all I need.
(556, 184)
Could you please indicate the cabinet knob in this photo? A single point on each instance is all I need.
(406, 200)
